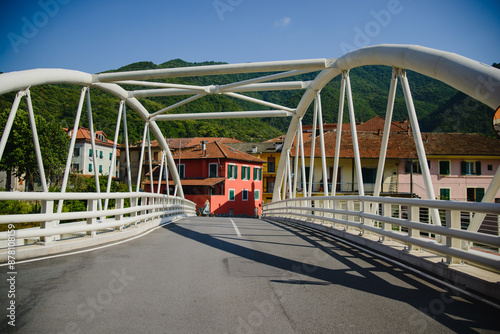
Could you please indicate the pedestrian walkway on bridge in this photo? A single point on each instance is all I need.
(236, 275)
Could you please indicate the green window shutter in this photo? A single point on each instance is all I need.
(255, 173)
(229, 171)
(235, 171)
(464, 167)
(90, 167)
(478, 167)
(248, 173)
(90, 153)
(479, 194)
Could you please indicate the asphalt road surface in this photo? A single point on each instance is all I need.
(221, 275)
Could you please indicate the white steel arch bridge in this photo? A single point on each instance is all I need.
(371, 214)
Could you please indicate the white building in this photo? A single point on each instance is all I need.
(83, 155)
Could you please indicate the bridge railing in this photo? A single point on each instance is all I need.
(405, 220)
(141, 207)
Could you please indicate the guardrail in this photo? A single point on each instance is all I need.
(142, 207)
(402, 219)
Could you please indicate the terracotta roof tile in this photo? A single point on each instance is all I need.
(216, 150)
(402, 145)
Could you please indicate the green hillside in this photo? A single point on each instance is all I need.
(435, 103)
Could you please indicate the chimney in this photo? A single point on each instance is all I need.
(254, 149)
(204, 148)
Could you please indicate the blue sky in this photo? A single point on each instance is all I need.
(98, 35)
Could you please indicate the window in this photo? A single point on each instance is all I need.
(75, 167)
(100, 168)
(369, 174)
(414, 167)
(471, 167)
(245, 172)
(257, 195)
(90, 153)
(212, 170)
(231, 194)
(444, 194)
(100, 155)
(271, 165)
(490, 167)
(181, 170)
(232, 171)
(257, 174)
(244, 195)
(444, 168)
(110, 156)
(475, 194)
(90, 167)
(76, 152)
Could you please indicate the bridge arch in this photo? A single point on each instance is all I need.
(473, 78)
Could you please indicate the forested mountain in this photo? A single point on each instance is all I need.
(439, 107)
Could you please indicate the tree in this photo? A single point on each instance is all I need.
(19, 156)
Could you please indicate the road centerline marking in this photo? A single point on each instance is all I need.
(235, 228)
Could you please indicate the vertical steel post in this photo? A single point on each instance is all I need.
(141, 157)
(313, 148)
(151, 189)
(72, 147)
(322, 143)
(289, 172)
(161, 172)
(36, 142)
(296, 163)
(113, 154)
(422, 157)
(385, 136)
(10, 121)
(127, 153)
(92, 141)
(339, 134)
(352, 117)
(303, 160)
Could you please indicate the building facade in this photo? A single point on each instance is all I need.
(86, 161)
(461, 165)
(270, 152)
(230, 180)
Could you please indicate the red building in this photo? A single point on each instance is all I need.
(229, 179)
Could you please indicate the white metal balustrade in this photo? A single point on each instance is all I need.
(400, 219)
(54, 225)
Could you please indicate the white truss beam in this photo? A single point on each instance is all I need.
(224, 115)
(258, 101)
(271, 66)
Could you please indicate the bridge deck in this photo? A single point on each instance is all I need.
(217, 275)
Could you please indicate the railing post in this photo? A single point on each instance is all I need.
(387, 208)
(119, 204)
(92, 207)
(350, 209)
(452, 221)
(413, 215)
(48, 208)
